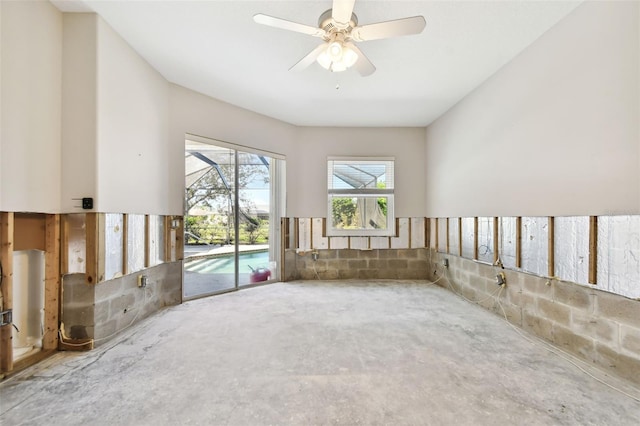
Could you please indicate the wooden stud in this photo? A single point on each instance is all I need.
(519, 242)
(437, 247)
(169, 240)
(51, 282)
(6, 258)
(94, 228)
(125, 244)
(311, 233)
(496, 242)
(180, 238)
(147, 241)
(593, 249)
(409, 235)
(475, 238)
(460, 236)
(64, 244)
(427, 232)
(296, 233)
(446, 227)
(551, 271)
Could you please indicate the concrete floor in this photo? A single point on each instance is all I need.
(317, 353)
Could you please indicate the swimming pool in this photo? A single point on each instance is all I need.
(225, 264)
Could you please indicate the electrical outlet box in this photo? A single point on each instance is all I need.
(142, 281)
(501, 279)
(314, 255)
(445, 263)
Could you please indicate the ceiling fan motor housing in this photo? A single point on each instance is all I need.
(327, 23)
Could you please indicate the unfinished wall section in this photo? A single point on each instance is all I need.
(597, 326)
(101, 311)
(400, 257)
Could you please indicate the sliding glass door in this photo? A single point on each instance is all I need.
(232, 217)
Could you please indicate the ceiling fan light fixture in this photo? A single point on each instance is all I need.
(337, 57)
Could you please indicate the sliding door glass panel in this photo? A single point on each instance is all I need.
(209, 265)
(254, 183)
(233, 200)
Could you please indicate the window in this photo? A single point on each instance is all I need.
(360, 196)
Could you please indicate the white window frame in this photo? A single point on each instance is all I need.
(389, 230)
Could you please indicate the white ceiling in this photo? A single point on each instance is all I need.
(215, 48)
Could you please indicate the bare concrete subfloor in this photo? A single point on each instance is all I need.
(310, 353)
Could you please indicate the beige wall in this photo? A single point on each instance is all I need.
(308, 167)
(132, 134)
(31, 46)
(79, 100)
(555, 132)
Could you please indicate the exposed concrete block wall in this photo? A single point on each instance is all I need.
(599, 327)
(100, 311)
(340, 264)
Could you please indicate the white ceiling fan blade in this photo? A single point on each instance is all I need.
(387, 29)
(342, 10)
(288, 25)
(309, 59)
(363, 65)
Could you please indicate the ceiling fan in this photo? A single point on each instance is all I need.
(338, 28)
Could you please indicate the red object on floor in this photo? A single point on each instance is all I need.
(259, 275)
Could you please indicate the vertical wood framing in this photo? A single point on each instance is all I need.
(169, 239)
(519, 242)
(550, 247)
(64, 245)
(296, 233)
(125, 244)
(475, 238)
(427, 232)
(460, 236)
(51, 282)
(437, 246)
(179, 238)
(147, 242)
(94, 227)
(496, 242)
(447, 231)
(593, 250)
(6, 258)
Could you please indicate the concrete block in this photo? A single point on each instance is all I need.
(572, 295)
(618, 308)
(121, 303)
(378, 264)
(407, 254)
(307, 274)
(330, 274)
(630, 340)
(412, 274)
(388, 254)
(348, 254)
(368, 273)
(600, 329)
(537, 325)
(555, 312)
(418, 264)
(512, 312)
(485, 271)
(398, 263)
(357, 264)
(470, 266)
(536, 285)
(328, 254)
(389, 274)
(347, 274)
(101, 311)
(624, 365)
(571, 342)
